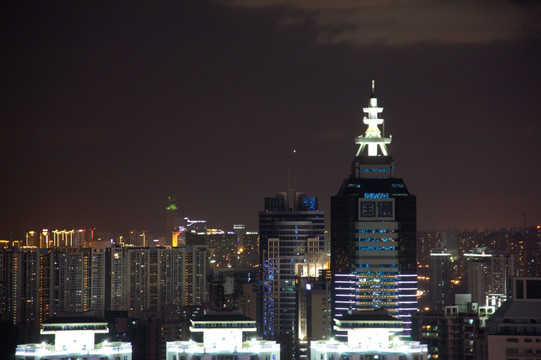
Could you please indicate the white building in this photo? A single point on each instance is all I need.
(223, 338)
(74, 338)
(370, 335)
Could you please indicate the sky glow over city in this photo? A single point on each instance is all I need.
(110, 108)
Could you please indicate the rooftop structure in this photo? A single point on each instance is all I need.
(223, 334)
(369, 336)
(74, 338)
(372, 138)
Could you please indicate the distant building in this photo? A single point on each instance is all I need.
(193, 232)
(440, 276)
(146, 282)
(223, 338)
(74, 339)
(514, 330)
(247, 246)
(370, 335)
(171, 223)
(454, 331)
(223, 247)
(158, 282)
(486, 273)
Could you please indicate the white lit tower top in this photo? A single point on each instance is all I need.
(373, 159)
(372, 137)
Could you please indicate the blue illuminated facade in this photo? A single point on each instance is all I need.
(289, 226)
(373, 232)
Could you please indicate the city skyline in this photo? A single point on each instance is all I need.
(109, 109)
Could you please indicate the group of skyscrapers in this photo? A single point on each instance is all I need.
(372, 243)
(304, 282)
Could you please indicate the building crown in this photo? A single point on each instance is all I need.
(372, 139)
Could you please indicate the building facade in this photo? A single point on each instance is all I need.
(145, 282)
(514, 330)
(440, 276)
(224, 337)
(373, 231)
(291, 233)
(74, 338)
(370, 335)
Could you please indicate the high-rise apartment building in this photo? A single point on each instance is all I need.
(440, 277)
(291, 233)
(157, 282)
(160, 281)
(486, 273)
(373, 230)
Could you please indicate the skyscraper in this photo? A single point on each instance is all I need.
(171, 223)
(486, 273)
(291, 233)
(373, 230)
(440, 277)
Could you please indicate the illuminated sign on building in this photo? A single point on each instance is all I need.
(376, 209)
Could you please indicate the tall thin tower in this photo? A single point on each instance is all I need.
(373, 230)
(171, 223)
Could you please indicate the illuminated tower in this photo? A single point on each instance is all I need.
(373, 230)
(291, 232)
(171, 223)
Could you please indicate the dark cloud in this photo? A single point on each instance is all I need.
(404, 22)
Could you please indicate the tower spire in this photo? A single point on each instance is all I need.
(372, 138)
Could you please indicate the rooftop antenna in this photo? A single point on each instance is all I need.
(373, 95)
(291, 172)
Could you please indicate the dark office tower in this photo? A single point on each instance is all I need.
(373, 231)
(440, 277)
(291, 231)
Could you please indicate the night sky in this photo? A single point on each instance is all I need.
(109, 107)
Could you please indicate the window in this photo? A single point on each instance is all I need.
(533, 289)
(519, 289)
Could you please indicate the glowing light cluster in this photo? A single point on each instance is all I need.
(372, 138)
